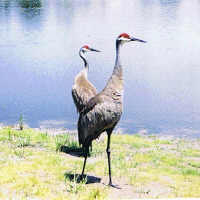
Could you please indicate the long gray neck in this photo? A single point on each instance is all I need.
(114, 86)
(82, 55)
(118, 66)
(117, 60)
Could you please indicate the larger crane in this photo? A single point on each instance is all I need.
(103, 111)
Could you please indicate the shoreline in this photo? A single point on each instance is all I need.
(60, 126)
(53, 131)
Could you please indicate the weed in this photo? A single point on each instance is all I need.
(9, 135)
(189, 171)
(19, 139)
(44, 136)
(194, 164)
(23, 141)
(96, 194)
(19, 152)
(75, 185)
(65, 140)
(21, 122)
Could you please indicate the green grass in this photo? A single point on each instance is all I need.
(65, 140)
(33, 167)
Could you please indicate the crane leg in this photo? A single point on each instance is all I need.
(85, 156)
(108, 154)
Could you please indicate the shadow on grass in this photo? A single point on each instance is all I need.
(73, 151)
(78, 178)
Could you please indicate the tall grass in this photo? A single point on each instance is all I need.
(65, 140)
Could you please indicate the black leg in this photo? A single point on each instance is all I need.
(85, 155)
(108, 154)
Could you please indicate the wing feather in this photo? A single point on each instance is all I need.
(82, 91)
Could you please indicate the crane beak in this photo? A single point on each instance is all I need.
(138, 40)
(91, 49)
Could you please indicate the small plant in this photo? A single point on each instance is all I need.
(19, 152)
(44, 136)
(75, 185)
(65, 140)
(95, 153)
(59, 141)
(23, 141)
(21, 122)
(96, 194)
(9, 135)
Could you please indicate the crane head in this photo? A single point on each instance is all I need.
(124, 37)
(86, 48)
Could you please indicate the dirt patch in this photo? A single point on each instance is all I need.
(124, 190)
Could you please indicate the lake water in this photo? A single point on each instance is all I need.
(39, 44)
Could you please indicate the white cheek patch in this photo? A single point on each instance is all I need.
(124, 39)
(84, 49)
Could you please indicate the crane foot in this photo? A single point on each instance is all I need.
(114, 186)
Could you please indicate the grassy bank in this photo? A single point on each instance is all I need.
(32, 166)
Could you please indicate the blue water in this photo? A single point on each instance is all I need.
(39, 44)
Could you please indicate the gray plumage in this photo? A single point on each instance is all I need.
(83, 90)
(103, 111)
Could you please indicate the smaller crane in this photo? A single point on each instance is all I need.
(83, 90)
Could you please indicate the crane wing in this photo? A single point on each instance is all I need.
(89, 106)
(82, 92)
(98, 99)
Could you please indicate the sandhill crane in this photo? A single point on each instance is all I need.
(103, 111)
(83, 90)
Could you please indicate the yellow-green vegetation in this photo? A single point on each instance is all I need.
(33, 166)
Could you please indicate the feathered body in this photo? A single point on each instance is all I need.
(103, 111)
(83, 90)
